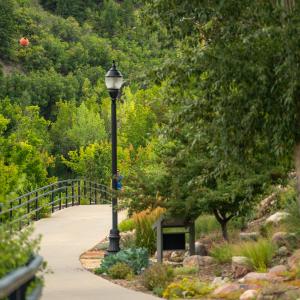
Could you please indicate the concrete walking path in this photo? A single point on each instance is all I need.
(65, 236)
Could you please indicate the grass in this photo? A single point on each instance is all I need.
(260, 253)
(183, 271)
(222, 253)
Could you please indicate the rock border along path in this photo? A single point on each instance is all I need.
(65, 236)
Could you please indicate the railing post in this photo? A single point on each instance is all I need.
(73, 192)
(59, 187)
(36, 205)
(11, 212)
(52, 198)
(66, 191)
(79, 191)
(28, 209)
(90, 192)
(84, 189)
(95, 193)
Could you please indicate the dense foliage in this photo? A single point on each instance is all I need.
(208, 117)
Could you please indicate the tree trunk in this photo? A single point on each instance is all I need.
(297, 167)
(224, 230)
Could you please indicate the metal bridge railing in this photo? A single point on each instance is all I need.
(41, 202)
(14, 286)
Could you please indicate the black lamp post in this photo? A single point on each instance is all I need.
(114, 82)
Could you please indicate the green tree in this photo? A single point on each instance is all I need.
(7, 27)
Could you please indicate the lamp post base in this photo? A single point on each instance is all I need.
(114, 242)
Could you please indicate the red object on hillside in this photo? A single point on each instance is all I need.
(24, 42)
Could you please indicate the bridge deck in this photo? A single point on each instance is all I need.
(66, 235)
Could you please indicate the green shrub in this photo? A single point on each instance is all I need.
(120, 271)
(260, 253)
(157, 276)
(16, 248)
(136, 258)
(206, 224)
(222, 253)
(145, 235)
(158, 291)
(181, 271)
(186, 288)
(126, 225)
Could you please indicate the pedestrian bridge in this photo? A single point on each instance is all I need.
(66, 234)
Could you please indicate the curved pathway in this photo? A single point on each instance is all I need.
(65, 236)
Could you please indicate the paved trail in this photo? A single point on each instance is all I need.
(66, 235)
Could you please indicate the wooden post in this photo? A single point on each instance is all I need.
(192, 238)
(159, 242)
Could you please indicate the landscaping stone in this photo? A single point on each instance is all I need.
(166, 254)
(177, 256)
(226, 290)
(218, 281)
(294, 260)
(282, 238)
(256, 277)
(277, 217)
(279, 270)
(249, 236)
(200, 249)
(249, 295)
(198, 261)
(279, 292)
(241, 266)
(283, 251)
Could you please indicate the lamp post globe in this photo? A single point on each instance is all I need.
(114, 82)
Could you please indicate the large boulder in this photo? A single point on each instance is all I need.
(294, 261)
(198, 261)
(177, 256)
(283, 238)
(241, 266)
(200, 249)
(255, 277)
(249, 295)
(279, 270)
(249, 236)
(277, 217)
(227, 290)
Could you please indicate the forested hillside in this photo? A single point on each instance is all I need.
(55, 110)
(208, 117)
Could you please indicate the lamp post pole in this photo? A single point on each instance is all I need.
(114, 81)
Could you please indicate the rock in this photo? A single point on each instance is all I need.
(265, 205)
(279, 292)
(277, 217)
(226, 290)
(294, 260)
(240, 265)
(198, 261)
(249, 295)
(166, 254)
(283, 251)
(256, 277)
(200, 249)
(177, 256)
(218, 281)
(249, 236)
(279, 270)
(282, 238)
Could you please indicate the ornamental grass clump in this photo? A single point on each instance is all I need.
(145, 235)
(157, 276)
(260, 253)
(126, 225)
(222, 253)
